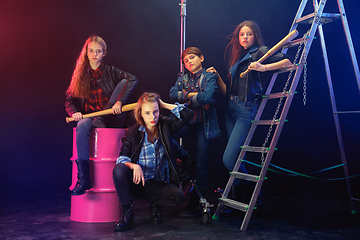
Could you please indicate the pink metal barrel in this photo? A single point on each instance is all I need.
(100, 203)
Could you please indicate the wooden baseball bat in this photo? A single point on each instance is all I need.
(124, 108)
(275, 48)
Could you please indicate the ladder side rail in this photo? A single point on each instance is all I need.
(267, 161)
(246, 143)
(295, 24)
(349, 41)
(336, 117)
(251, 206)
(275, 137)
(231, 179)
(272, 146)
(253, 127)
(298, 14)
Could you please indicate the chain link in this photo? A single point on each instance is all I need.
(303, 42)
(305, 39)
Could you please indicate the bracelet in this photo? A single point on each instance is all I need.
(265, 67)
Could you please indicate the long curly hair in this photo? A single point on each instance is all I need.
(80, 82)
(234, 50)
(145, 97)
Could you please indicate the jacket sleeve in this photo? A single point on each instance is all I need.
(70, 105)
(207, 96)
(127, 143)
(177, 93)
(273, 58)
(131, 83)
(176, 124)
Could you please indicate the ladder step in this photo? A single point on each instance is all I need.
(254, 149)
(266, 122)
(325, 18)
(294, 43)
(234, 204)
(287, 69)
(245, 176)
(276, 95)
(346, 112)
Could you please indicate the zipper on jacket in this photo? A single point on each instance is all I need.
(168, 155)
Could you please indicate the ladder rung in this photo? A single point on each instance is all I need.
(294, 43)
(325, 18)
(234, 204)
(254, 149)
(287, 69)
(266, 122)
(245, 176)
(276, 95)
(346, 112)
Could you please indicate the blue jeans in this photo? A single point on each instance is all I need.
(196, 131)
(238, 116)
(163, 194)
(84, 126)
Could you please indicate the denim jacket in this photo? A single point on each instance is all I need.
(208, 91)
(256, 82)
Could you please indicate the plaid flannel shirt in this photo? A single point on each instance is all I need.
(97, 99)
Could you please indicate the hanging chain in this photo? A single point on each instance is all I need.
(305, 39)
(305, 82)
(303, 42)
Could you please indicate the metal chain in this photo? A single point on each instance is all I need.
(305, 39)
(303, 42)
(305, 82)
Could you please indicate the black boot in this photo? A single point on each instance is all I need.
(100, 121)
(156, 213)
(127, 220)
(193, 209)
(84, 182)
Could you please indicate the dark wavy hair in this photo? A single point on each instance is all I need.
(234, 50)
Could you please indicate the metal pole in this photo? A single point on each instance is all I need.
(182, 38)
(182, 33)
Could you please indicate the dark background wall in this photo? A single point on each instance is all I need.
(40, 41)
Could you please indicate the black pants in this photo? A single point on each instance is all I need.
(161, 193)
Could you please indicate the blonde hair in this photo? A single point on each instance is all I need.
(145, 97)
(80, 82)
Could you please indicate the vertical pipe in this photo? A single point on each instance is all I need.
(182, 33)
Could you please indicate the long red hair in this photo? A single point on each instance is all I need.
(80, 82)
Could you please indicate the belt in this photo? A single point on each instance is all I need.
(232, 97)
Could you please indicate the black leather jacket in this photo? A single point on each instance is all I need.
(133, 140)
(108, 81)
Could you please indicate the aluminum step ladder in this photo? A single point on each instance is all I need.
(316, 20)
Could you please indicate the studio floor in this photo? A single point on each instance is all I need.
(47, 217)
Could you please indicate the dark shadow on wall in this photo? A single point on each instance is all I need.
(40, 41)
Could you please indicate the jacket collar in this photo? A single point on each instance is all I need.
(254, 48)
